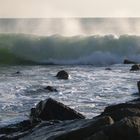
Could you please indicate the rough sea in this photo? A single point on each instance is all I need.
(89, 89)
(27, 46)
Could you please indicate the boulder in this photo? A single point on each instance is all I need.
(118, 114)
(108, 69)
(117, 122)
(98, 136)
(15, 131)
(126, 129)
(126, 61)
(19, 130)
(138, 85)
(50, 109)
(62, 75)
(50, 88)
(135, 67)
(119, 111)
(70, 130)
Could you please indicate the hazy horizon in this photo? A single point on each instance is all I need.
(71, 26)
(66, 8)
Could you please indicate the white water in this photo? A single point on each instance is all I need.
(88, 90)
(81, 50)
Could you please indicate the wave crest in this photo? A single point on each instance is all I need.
(56, 49)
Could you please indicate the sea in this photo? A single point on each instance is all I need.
(91, 50)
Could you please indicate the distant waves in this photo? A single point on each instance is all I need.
(75, 50)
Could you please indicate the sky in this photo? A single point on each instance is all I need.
(69, 8)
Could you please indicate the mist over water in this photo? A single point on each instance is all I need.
(72, 26)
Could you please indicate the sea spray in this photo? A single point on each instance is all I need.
(57, 49)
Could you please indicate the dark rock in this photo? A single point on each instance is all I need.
(138, 85)
(21, 126)
(50, 109)
(108, 69)
(125, 129)
(119, 111)
(15, 131)
(135, 67)
(98, 136)
(51, 89)
(70, 130)
(124, 112)
(117, 122)
(126, 61)
(18, 72)
(62, 75)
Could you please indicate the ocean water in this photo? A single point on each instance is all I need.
(39, 48)
(89, 89)
(74, 50)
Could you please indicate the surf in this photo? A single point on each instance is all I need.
(63, 50)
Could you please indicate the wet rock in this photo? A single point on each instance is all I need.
(18, 72)
(126, 61)
(108, 69)
(135, 67)
(124, 112)
(50, 88)
(117, 122)
(21, 126)
(50, 109)
(119, 111)
(19, 130)
(138, 85)
(70, 130)
(15, 131)
(62, 75)
(98, 136)
(125, 129)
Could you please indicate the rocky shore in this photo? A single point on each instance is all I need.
(52, 120)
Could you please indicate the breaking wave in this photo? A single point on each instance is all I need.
(56, 49)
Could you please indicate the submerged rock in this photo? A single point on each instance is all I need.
(50, 88)
(18, 72)
(126, 61)
(108, 69)
(50, 109)
(135, 67)
(62, 75)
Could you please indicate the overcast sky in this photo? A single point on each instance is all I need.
(69, 8)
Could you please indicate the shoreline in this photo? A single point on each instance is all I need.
(53, 120)
(116, 122)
